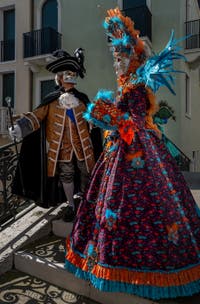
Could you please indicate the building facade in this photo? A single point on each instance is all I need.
(184, 18)
(30, 30)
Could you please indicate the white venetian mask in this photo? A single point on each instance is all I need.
(69, 77)
(121, 65)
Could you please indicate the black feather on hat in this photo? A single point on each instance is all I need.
(64, 61)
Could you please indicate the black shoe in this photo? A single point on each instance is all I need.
(69, 214)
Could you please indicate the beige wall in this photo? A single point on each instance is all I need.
(190, 124)
(81, 26)
(169, 15)
(22, 83)
(165, 17)
(193, 11)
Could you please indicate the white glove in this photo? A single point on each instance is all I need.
(16, 133)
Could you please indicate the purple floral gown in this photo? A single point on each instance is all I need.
(138, 227)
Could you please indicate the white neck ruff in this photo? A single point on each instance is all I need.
(68, 101)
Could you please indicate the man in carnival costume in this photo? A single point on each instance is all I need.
(59, 125)
(138, 227)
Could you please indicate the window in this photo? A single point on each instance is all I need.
(50, 14)
(133, 3)
(8, 85)
(46, 87)
(138, 11)
(187, 96)
(8, 43)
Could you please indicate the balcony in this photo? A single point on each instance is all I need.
(7, 50)
(192, 44)
(38, 45)
(193, 30)
(41, 42)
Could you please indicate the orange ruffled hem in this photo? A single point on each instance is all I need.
(158, 279)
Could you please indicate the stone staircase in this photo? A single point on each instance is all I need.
(33, 264)
(45, 260)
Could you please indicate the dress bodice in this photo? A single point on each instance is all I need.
(135, 102)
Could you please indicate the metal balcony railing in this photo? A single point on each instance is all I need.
(10, 205)
(192, 29)
(7, 50)
(182, 160)
(41, 42)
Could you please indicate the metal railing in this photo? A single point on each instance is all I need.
(7, 50)
(182, 160)
(192, 29)
(41, 42)
(10, 205)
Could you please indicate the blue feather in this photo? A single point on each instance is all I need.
(107, 118)
(157, 70)
(105, 95)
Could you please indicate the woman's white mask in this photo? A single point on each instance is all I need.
(121, 65)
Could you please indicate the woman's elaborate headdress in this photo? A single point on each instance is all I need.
(122, 35)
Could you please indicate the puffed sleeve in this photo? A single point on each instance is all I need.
(104, 113)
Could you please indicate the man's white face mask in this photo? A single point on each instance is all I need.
(70, 77)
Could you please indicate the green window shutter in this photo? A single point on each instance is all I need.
(8, 46)
(47, 86)
(9, 88)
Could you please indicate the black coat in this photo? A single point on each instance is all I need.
(31, 180)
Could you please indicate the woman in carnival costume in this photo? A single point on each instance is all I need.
(138, 227)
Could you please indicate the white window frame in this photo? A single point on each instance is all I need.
(2, 9)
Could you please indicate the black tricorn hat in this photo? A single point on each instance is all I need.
(64, 61)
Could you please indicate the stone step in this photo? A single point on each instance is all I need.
(22, 288)
(26, 229)
(45, 260)
(61, 228)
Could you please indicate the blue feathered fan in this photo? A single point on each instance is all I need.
(157, 70)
